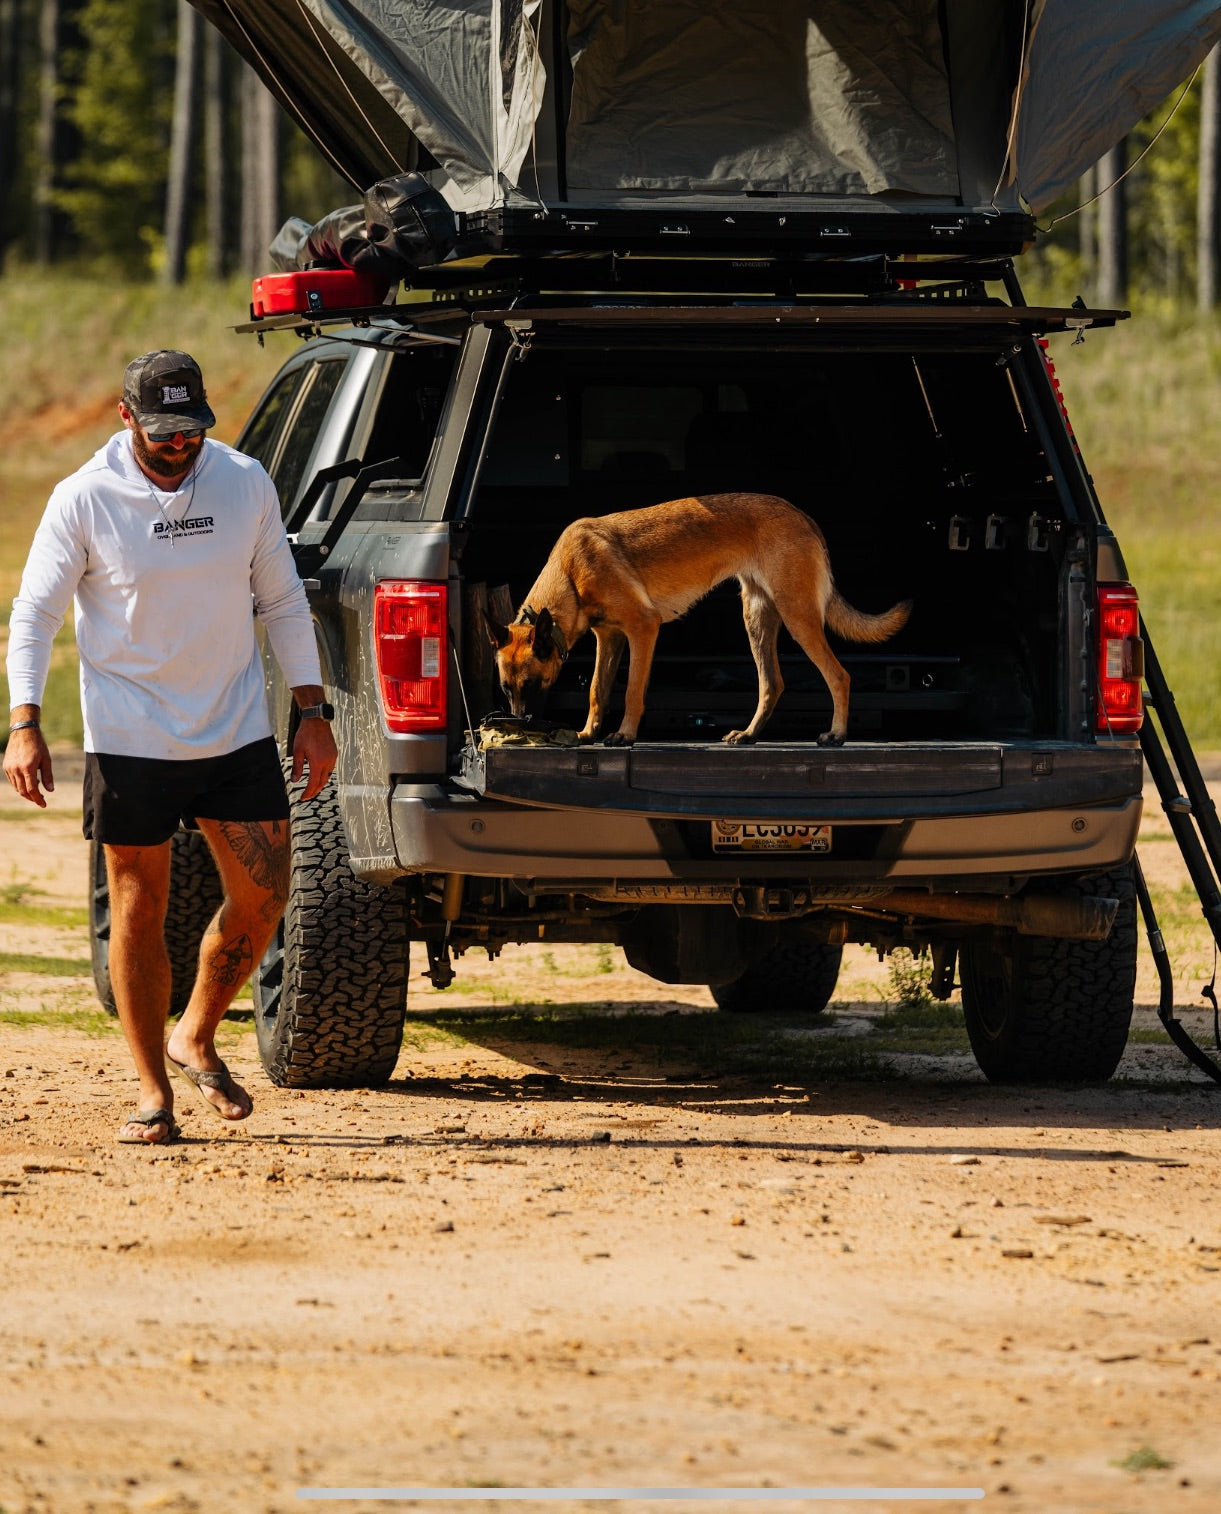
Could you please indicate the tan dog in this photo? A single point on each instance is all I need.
(624, 575)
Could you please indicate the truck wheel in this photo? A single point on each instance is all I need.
(800, 975)
(1042, 1010)
(195, 896)
(330, 994)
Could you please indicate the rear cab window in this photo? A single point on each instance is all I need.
(403, 425)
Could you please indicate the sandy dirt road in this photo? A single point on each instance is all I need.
(588, 1264)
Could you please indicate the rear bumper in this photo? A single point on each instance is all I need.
(997, 819)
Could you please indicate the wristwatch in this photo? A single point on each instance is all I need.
(322, 711)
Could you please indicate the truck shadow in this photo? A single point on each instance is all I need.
(900, 1066)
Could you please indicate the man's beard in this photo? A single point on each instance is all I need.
(166, 462)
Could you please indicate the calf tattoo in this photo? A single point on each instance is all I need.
(265, 857)
(232, 962)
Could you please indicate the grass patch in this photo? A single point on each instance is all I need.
(1177, 908)
(55, 967)
(1189, 941)
(924, 1028)
(910, 977)
(1148, 1036)
(44, 914)
(1144, 1459)
(90, 1022)
(419, 1035)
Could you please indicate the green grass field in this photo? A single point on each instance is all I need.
(1143, 399)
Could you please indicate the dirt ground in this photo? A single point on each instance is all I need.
(532, 1266)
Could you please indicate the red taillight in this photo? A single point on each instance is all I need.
(1121, 659)
(410, 636)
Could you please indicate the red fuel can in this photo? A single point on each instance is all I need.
(314, 290)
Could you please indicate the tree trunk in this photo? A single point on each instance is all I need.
(1113, 229)
(215, 167)
(10, 73)
(182, 134)
(260, 172)
(48, 90)
(1208, 202)
(1087, 230)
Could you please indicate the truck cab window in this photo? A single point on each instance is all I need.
(290, 470)
(265, 430)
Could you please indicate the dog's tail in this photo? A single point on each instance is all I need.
(853, 625)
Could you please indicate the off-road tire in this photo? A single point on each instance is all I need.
(195, 896)
(330, 995)
(799, 976)
(1042, 1010)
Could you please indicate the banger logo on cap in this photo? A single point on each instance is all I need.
(166, 388)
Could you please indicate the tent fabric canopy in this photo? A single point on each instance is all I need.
(683, 103)
(701, 95)
(1089, 78)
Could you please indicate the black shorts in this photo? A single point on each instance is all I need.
(140, 801)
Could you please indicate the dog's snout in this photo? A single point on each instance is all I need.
(525, 698)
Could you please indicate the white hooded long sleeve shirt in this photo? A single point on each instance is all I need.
(166, 589)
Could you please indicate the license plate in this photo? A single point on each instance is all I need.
(769, 836)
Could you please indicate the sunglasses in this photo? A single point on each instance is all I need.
(187, 433)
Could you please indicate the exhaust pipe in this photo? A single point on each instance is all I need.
(1088, 919)
(1055, 915)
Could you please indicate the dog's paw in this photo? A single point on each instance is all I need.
(585, 737)
(829, 738)
(739, 738)
(617, 738)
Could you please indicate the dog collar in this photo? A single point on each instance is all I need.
(530, 615)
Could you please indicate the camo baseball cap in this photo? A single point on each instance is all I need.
(166, 388)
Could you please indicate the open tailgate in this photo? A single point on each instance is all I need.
(801, 780)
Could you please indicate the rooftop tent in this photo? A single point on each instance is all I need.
(1092, 72)
(681, 105)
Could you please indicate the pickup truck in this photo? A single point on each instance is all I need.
(985, 805)
(802, 283)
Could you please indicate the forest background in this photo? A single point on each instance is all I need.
(144, 171)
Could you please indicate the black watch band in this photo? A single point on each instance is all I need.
(321, 711)
(25, 725)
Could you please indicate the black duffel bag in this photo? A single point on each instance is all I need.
(402, 224)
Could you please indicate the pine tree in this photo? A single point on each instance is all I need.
(182, 156)
(1208, 197)
(115, 187)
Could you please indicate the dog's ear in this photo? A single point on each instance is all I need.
(498, 635)
(542, 641)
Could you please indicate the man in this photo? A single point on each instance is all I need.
(164, 538)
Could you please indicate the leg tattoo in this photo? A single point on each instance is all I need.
(233, 963)
(265, 858)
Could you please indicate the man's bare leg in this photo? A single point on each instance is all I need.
(139, 880)
(252, 860)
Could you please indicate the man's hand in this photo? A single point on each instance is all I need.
(27, 764)
(314, 749)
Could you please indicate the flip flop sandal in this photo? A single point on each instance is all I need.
(221, 1080)
(148, 1119)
